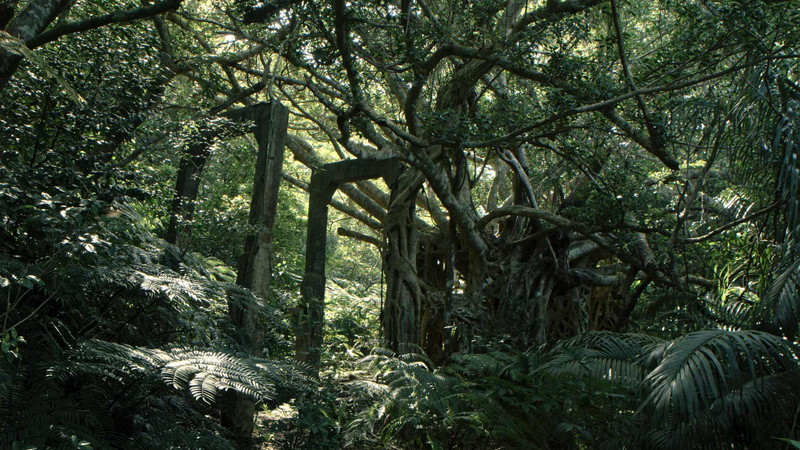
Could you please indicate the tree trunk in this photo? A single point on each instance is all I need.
(28, 23)
(435, 268)
(194, 159)
(401, 310)
(255, 266)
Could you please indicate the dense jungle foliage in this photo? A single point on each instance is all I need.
(573, 224)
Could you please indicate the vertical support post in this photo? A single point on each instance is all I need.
(255, 266)
(187, 187)
(311, 311)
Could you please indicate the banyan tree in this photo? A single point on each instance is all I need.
(553, 164)
(546, 164)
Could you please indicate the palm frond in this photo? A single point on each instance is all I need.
(702, 368)
(753, 413)
(786, 147)
(734, 305)
(783, 297)
(604, 355)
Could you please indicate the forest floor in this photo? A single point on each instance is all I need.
(265, 419)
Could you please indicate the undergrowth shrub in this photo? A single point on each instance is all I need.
(112, 338)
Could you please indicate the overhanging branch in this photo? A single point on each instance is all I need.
(729, 225)
(100, 21)
(359, 237)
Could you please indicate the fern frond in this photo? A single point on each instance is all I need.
(204, 374)
(176, 289)
(289, 375)
(479, 364)
(108, 361)
(370, 388)
(200, 373)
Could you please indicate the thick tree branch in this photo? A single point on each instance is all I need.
(554, 10)
(648, 267)
(638, 136)
(608, 103)
(563, 223)
(100, 21)
(36, 16)
(594, 278)
(343, 43)
(32, 20)
(360, 237)
(623, 57)
(304, 153)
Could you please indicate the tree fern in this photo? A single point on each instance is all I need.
(490, 399)
(118, 380)
(407, 395)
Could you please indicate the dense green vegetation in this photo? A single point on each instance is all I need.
(590, 241)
